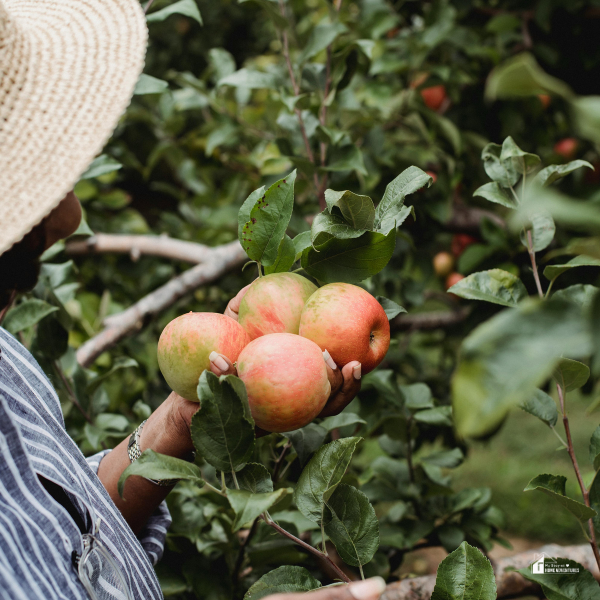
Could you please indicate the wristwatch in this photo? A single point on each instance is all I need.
(134, 452)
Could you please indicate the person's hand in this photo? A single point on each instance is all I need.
(233, 308)
(369, 589)
(345, 384)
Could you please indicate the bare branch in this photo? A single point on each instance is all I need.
(509, 583)
(469, 218)
(429, 320)
(138, 245)
(220, 260)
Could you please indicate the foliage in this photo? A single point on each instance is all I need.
(340, 152)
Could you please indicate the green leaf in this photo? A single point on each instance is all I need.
(350, 522)
(391, 308)
(326, 226)
(187, 8)
(496, 286)
(391, 212)
(522, 162)
(149, 85)
(272, 9)
(417, 396)
(447, 459)
(223, 429)
(348, 158)
(321, 36)
(306, 440)
(301, 242)
(247, 506)
(253, 478)
(579, 294)
(502, 172)
(223, 133)
(494, 193)
(159, 466)
(564, 585)
(440, 415)
(594, 495)
(250, 79)
(522, 76)
(269, 217)
(550, 174)
(122, 362)
(321, 476)
(542, 230)
(571, 374)
(296, 518)
(246, 209)
(542, 406)
(351, 260)
(102, 165)
(341, 420)
(26, 314)
(553, 271)
(586, 115)
(554, 486)
(359, 211)
(286, 257)
(287, 579)
(465, 574)
(492, 374)
(595, 448)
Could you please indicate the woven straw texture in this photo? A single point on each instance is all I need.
(67, 73)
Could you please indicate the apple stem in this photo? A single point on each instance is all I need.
(259, 269)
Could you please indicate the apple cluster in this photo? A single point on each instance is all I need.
(285, 324)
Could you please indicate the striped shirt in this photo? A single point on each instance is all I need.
(39, 541)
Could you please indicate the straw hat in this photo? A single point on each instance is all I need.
(67, 73)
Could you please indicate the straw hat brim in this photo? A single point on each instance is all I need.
(68, 69)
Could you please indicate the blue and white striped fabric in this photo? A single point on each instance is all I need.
(37, 535)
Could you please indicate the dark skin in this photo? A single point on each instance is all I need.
(167, 431)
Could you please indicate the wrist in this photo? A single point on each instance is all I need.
(167, 431)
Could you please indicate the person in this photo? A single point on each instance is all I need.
(67, 72)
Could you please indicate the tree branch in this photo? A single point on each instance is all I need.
(509, 583)
(138, 245)
(430, 320)
(469, 218)
(218, 261)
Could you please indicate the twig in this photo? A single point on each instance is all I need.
(296, 89)
(138, 245)
(221, 259)
(279, 461)
(536, 275)
(307, 547)
(430, 320)
(584, 491)
(240, 557)
(148, 5)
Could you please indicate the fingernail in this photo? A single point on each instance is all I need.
(369, 589)
(329, 360)
(218, 361)
(357, 371)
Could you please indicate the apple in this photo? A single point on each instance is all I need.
(443, 263)
(348, 322)
(453, 279)
(545, 99)
(460, 242)
(566, 148)
(286, 380)
(273, 304)
(187, 341)
(434, 96)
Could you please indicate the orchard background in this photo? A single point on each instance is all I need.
(235, 96)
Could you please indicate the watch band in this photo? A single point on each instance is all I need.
(134, 452)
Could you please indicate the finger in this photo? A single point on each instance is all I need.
(351, 374)
(333, 374)
(369, 589)
(221, 365)
(233, 308)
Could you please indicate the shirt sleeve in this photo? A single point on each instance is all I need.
(153, 536)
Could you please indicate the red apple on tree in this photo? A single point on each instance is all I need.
(273, 304)
(186, 343)
(443, 263)
(349, 323)
(460, 242)
(286, 380)
(434, 96)
(566, 148)
(453, 279)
